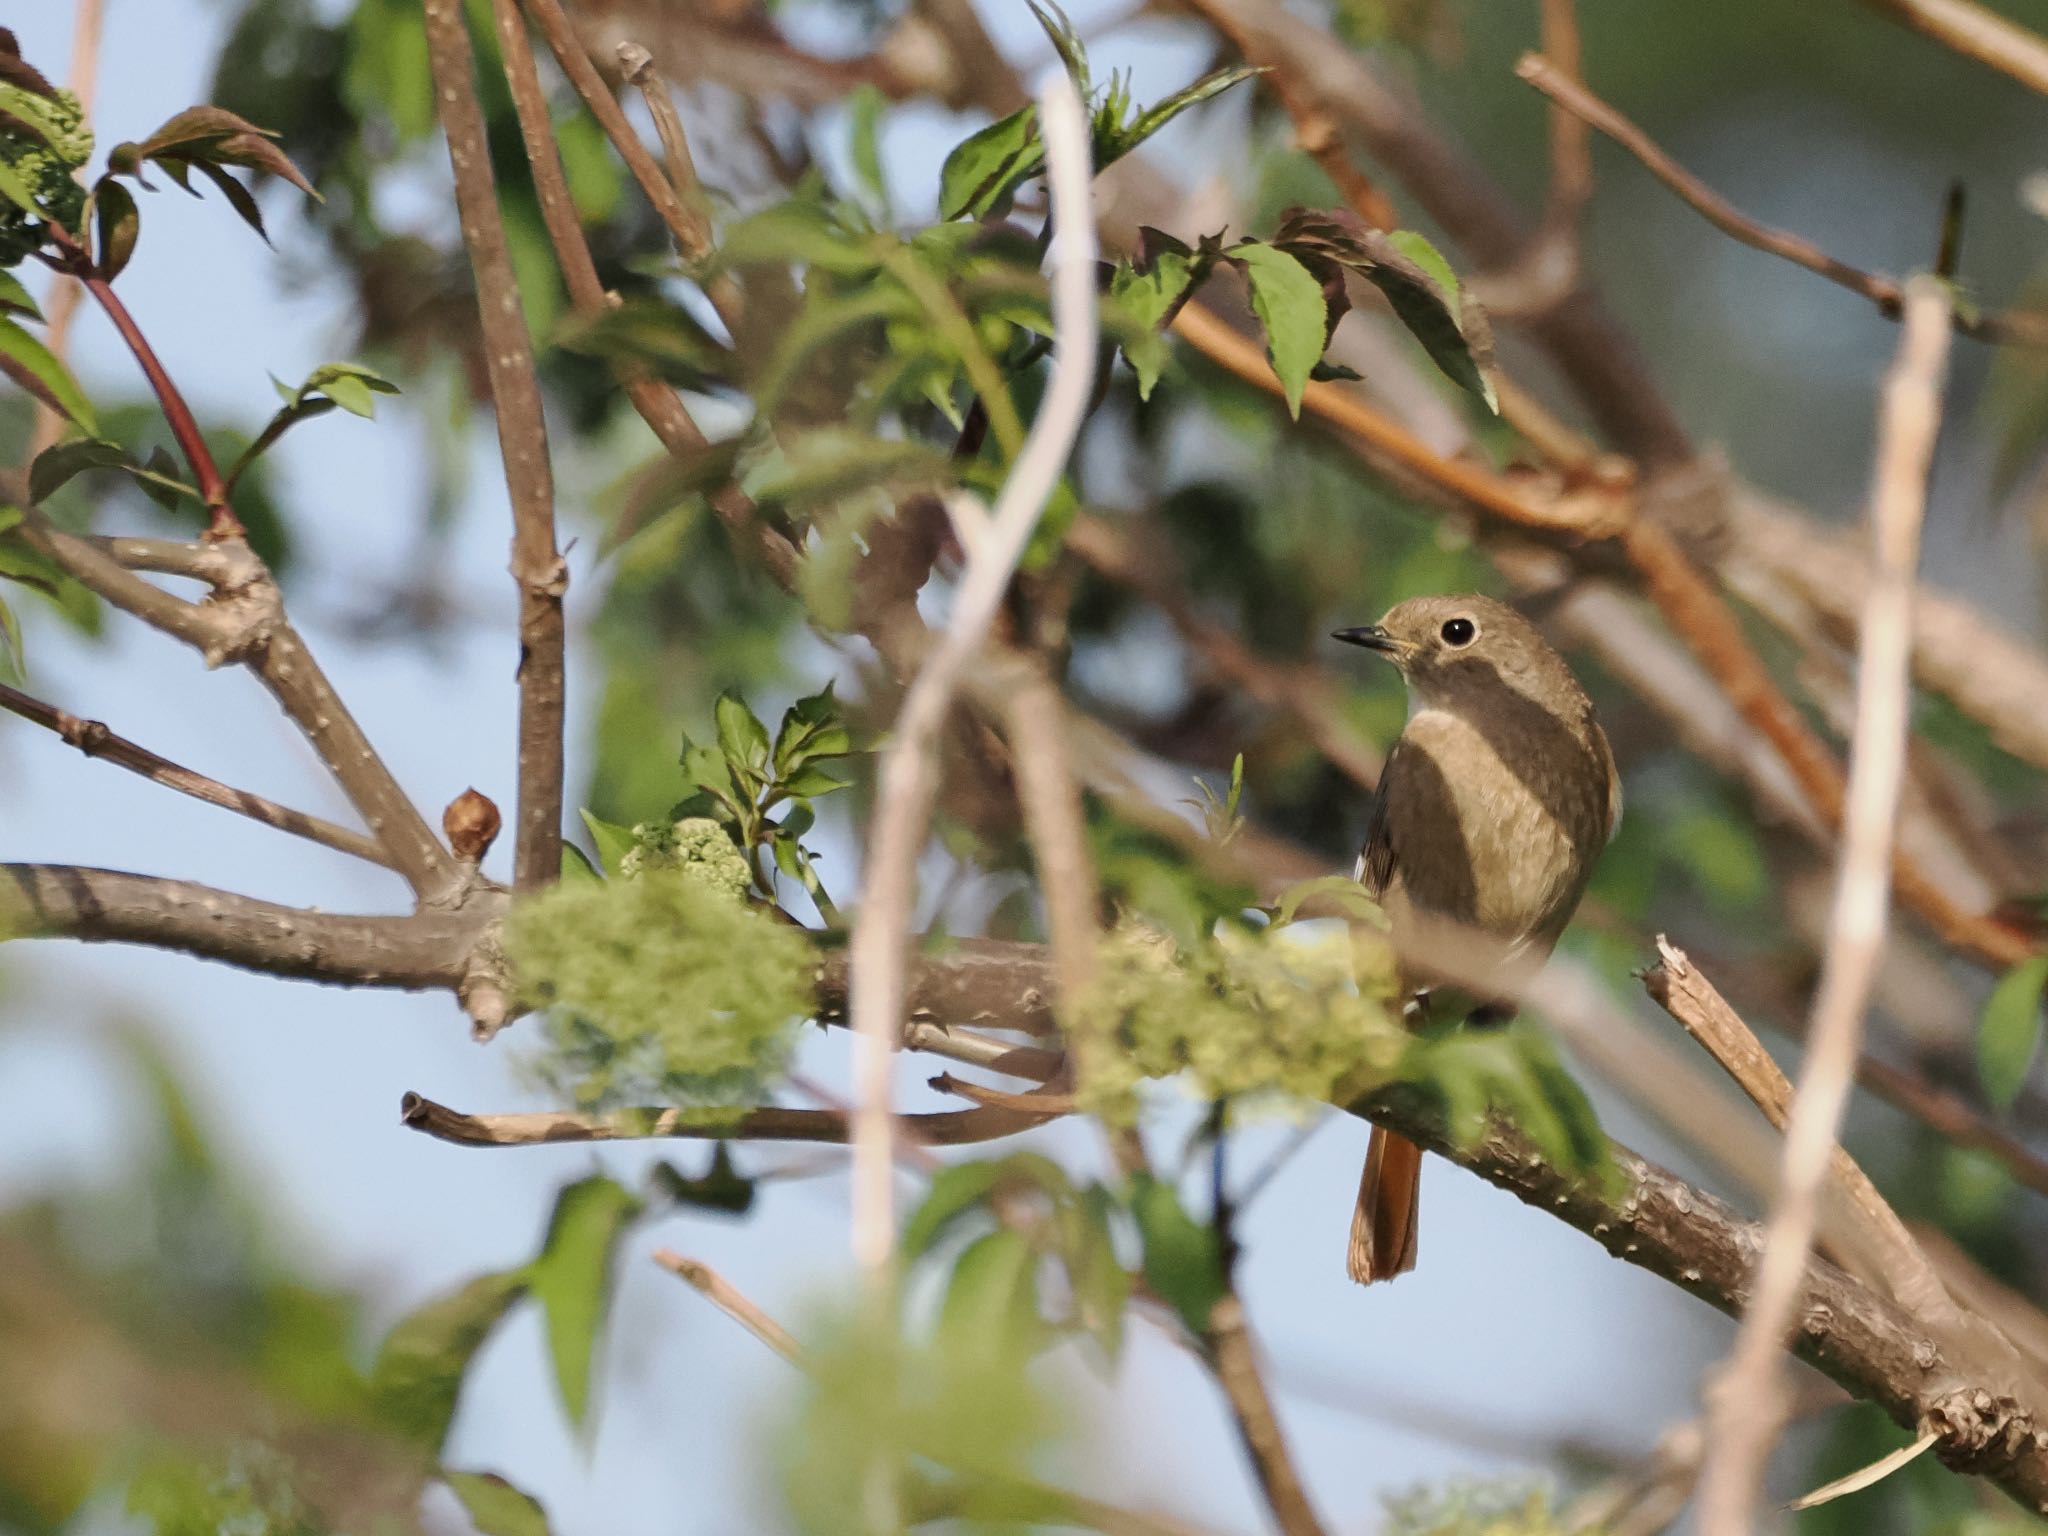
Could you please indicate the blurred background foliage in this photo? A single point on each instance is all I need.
(255, 1401)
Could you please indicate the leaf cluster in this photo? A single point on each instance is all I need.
(661, 989)
(1242, 1011)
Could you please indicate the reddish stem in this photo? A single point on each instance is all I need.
(213, 491)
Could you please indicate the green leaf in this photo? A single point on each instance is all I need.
(830, 463)
(1160, 113)
(417, 1378)
(15, 299)
(991, 1304)
(1289, 303)
(1066, 42)
(986, 167)
(57, 465)
(806, 724)
(495, 1507)
(576, 865)
(11, 652)
(613, 842)
(1341, 891)
(812, 780)
(2009, 1031)
(651, 332)
(239, 197)
(1440, 314)
(352, 395)
(1183, 1261)
(1100, 1283)
(348, 385)
(741, 735)
(864, 110)
(801, 232)
(956, 1190)
(30, 356)
(116, 225)
(572, 1279)
(159, 479)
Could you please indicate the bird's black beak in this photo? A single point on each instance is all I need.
(1373, 637)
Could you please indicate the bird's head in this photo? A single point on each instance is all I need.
(1463, 647)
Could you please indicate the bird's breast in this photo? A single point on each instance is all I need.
(1496, 831)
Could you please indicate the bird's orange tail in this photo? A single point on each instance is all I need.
(1383, 1224)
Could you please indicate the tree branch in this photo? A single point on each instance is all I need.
(657, 403)
(1976, 33)
(1748, 1404)
(908, 776)
(422, 950)
(537, 565)
(245, 622)
(938, 1128)
(94, 739)
(1887, 293)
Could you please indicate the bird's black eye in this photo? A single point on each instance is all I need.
(1459, 632)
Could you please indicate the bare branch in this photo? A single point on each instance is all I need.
(1887, 293)
(658, 404)
(1228, 1344)
(1036, 719)
(1978, 33)
(245, 622)
(638, 66)
(94, 739)
(908, 775)
(427, 949)
(1747, 1405)
(567, 48)
(722, 1294)
(537, 565)
(938, 1128)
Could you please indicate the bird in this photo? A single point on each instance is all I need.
(1490, 814)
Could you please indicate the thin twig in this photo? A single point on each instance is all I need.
(245, 621)
(538, 569)
(1316, 129)
(1548, 269)
(1887, 1248)
(658, 403)
(908, 776)
(206, 476)
(1227, 1343)
(1976, 33)
(1587, 515)
(936, 1128)
(638, 66)
(1887, 293)
(560, 34)
(719, 287)
(94, 739)
(1036, 721)
(1747, 1404)
(734, 1303)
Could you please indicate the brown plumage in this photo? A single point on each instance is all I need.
(1492, 809)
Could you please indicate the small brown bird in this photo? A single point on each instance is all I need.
(1492, 809)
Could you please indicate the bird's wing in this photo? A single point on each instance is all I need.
(1376, 859)
(1613, 782)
